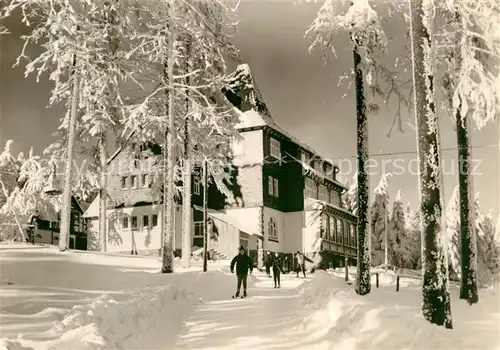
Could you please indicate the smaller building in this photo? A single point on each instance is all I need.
(44, 228)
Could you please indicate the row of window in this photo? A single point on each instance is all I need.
(135, 181)
(321, 192)
(142, 180)
(132, 222)
(338, 231)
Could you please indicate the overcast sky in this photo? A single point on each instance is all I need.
(301, 93)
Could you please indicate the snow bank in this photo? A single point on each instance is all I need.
(80, 300)
(336, 315)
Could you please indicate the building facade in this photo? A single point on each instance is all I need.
(286, 198)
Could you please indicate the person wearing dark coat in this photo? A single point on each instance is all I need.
(268, 263)
(301, 263)
(277, 264)
(243, 264)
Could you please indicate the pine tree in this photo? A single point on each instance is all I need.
(436, 306)
(351, 197)
(379, 221)
(490, 249)
(399, 248)
(453, 235)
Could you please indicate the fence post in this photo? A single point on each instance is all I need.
(397, 283)
(376, 279)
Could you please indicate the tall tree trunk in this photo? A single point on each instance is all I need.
(436, 306)
(468, 248)
(186, 181)
(168, 156)
(363, 283)
(103, 193)
(66, 200)
(468, 282)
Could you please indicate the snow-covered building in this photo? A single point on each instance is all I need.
(286, 197)
(290, 195)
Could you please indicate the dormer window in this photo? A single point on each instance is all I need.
(275, 148)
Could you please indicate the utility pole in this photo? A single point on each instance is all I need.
(205, 214)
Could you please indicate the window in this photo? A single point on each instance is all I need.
(124, 182)
(196, 185)
(125, 222)
(145, 221)
(325, 228)
(333, 229)
(145, 180)
(273, 187)
(340, 231)
(155, 220)
(334, 198)
(317, 165)
(134, 222)
(323, 193)
(275, 148)
(346, 233)
(198, 229)
(311, 189)
(354, 238)
(133, 181)
(272, 231)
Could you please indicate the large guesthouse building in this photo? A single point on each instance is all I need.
(286, 197)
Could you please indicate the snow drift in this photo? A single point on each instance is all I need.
(121, 322)
(392, 320)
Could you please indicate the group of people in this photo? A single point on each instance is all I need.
(243, 263)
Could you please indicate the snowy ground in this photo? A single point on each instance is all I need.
(96, 301)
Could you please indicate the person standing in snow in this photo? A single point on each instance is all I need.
(268, 263)
(243, 263)
(276, 264)
(301, 263)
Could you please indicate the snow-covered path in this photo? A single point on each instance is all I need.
(262, 321)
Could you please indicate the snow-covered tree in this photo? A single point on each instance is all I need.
(77, 38)
(28, 196)
(453, 235)
(9, 173)
(399, 247)
(470, 67)
(351, 197)
(490, 249)
(379, 221)
(161, 42)
(436, 306)
(497, 230)
(368, 40)
(414, 238)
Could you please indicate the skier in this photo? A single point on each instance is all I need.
(243, 263)
(268, 263)
(301, 263)
(276, 263)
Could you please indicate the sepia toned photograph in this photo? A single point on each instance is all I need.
(249, 174)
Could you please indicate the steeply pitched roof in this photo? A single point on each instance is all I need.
(254, 111)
